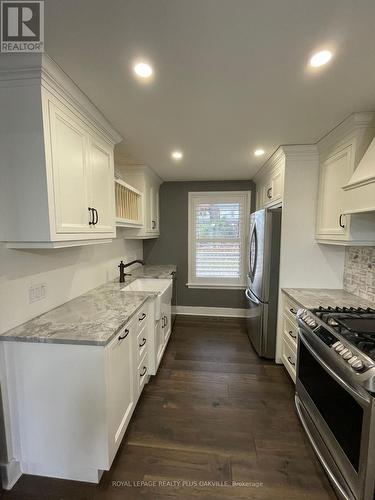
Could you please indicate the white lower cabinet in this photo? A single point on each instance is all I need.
(289, 336)
(121, 393)
(70, 404)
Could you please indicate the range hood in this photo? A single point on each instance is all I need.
(360, 190)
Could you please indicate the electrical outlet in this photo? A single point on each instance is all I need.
(37, 292)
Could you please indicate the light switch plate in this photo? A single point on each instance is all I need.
(37, 292)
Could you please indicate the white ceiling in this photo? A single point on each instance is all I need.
(230, 75)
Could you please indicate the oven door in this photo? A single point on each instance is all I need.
(337, 418)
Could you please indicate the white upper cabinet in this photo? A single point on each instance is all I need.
(57, 170)
(339, 154)
(101, 184)
(148, 183)
(270, 182)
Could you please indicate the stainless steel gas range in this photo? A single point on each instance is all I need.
(335, 394)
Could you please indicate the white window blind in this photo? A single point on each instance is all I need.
(217, 238)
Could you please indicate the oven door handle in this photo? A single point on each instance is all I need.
(360, 395)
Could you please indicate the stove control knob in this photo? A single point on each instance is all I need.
(358, 365)
(336, 344)
(310, 321)
(344, 351)
(339, 347)
(347, 355)
(352, 360)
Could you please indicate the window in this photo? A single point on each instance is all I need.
(217, 239)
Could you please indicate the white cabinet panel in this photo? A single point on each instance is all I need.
(121, 399)
(101, 185)
(69, 165)
(270, 183)
(335, 172)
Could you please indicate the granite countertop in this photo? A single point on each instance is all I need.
(93, 318)
(311, 298)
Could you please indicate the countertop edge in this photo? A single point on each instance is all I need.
(51, 340)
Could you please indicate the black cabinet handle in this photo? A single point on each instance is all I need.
(162, 322)
(144, 370)
(153, 224)
(293, 311)
(141, 318)
(269, 193)
(340, 221)
(142, 343)
(91, 221)
(291, 361)
(291, 334)
(97, 216)
(122, 337)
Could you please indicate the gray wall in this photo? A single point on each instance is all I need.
(172, 245)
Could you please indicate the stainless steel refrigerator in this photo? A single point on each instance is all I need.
(263, 280)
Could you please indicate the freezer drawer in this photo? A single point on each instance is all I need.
(261, 326)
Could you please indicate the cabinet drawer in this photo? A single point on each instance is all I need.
(142, 373)
(290, 309)
(290, 330)
(142, 317)
(142, 343)
(289, 357)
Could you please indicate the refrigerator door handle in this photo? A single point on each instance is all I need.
(251, 297)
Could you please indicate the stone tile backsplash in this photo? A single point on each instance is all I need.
(359, 272)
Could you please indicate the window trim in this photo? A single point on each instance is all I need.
(220, 196)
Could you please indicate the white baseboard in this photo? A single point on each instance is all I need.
(10, 474)
(229, 312)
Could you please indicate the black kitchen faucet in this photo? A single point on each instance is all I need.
(122, 267)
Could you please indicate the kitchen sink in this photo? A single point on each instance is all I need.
(163, 288)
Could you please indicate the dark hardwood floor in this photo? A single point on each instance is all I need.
(216, 422)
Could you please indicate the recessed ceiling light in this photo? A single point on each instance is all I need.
(321, 58)
(259, 152)
(143, 70)
(177, 155)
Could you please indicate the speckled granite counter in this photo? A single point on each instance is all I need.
(311, 298)
(93, 318)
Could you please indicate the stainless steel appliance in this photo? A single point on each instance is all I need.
(335, 394)
(263, 280)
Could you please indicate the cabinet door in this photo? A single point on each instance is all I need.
(154, 208)
(121, 385)
(70, 171)
(102, 185)
(335, 171)
(166, 319)
(160, 340)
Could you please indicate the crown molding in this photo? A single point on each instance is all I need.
(138, 169)
(345, 131)
(41, 70)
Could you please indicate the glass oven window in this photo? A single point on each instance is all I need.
(341, 412)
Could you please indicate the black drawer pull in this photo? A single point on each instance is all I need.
(141, 318)
(291, 334)
(293, 311)
(291, 361)
(341, 224)
(142, 343)
(91, 222)
(143, 372)
(269, 193)
(122, 337)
